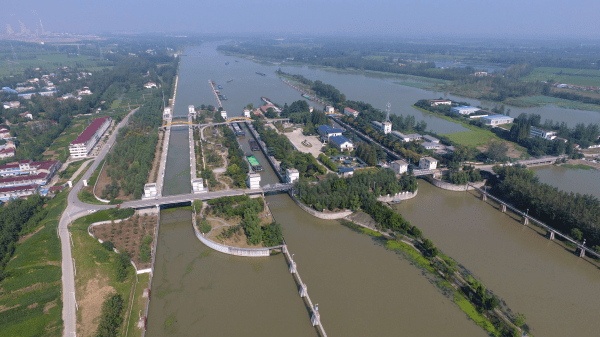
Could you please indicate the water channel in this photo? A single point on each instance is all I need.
(570, 179)
(362, 289)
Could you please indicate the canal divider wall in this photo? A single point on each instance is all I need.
(263, 148)
(453, 187)
(320, 215)
(192, 150)
(398, 196)
(153, 254)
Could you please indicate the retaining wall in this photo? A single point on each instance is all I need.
(452, 187)
(398, 196)
(321, 215)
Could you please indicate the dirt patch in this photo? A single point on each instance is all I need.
(34, 305)
(5, 308)
(90, 305)
(584, 162)
(128, 235)
(104, 180)
(28, 289)
(23, 238)
(363, 219)
(512, 151)
(49, 306)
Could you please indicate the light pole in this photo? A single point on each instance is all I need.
(527, 212)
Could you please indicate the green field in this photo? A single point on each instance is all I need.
(563, 103)
(50, 63)
(32, 288)
(565, 75)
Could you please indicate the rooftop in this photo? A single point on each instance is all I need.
(349, 109)
(339, 140)
(496, 117)
(90, 130)
(328, 129)
(18, 188)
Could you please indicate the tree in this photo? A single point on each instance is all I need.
(496, 150)
(205, 227)
(430, 248)
(270, 113)
(110, 318)
(576, 234)
(251, 225)
(520, 319)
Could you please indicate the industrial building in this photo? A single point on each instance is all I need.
(541, 133)
(464, 110)
(497, 120)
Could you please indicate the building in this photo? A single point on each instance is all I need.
(407, 138)
(86, 141)
(150, 191)
(412, 137)
(464, 110)
(430, 139)
(192, 111)
(246, 113)
(432, 146)
(292, 175)
(26, 114)
(427, 163)
(341, 143)
(497, 120)
(346, 171)
(399, 166)
(7, 193)
(224, 114)
(167, 113)
(150, 85)
(385, 127)
(7, 153)
(28, 167)
(436, 102)
(329, 109)
(84, 92)
(327, 131)
(4, 133)
(350, 112)
(253, 181)
(541, 133)
(198, 185)
(12, 105)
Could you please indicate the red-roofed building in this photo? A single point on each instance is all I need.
(86, 141)
(7, 153)
(4, 133)
(14, 192)
(264, 108)
(350, 112)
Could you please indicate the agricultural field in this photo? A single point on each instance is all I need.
(30, 296)
(565, 75)
(50, 62)
(563, 103)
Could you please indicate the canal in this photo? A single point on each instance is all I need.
(362, 289)
(574, 180)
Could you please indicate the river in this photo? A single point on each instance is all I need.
(362, 289)
(570, 179)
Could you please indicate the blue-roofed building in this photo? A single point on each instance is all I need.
(497, 120)
(327, 132)
(346, 171)
(464, 110)
(9, 90)
(341, 143)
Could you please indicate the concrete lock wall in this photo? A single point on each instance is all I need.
(248, 252)
(452, 187)
(398, 196)
(321, 215)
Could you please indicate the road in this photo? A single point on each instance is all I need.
(76, 209)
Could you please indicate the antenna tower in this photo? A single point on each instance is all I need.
(388, 109)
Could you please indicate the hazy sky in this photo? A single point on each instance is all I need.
(502, 18)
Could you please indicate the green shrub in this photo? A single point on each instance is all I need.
(121, 263)
(205, 227)
(108, 245)
(110, 319)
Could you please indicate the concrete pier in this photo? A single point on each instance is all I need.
(550, 235)
(503, 208)
(215, 93)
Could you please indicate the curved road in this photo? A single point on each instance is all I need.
(76, 209)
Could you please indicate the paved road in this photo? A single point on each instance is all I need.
(76, 209)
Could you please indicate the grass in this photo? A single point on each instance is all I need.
(478, 318)
(139, 303)
(72, 168)
(89, 198)
(33, 276)
(92, 262)
(565, 75)
(562, 103)
(410, 252)
(51, 62)
(578, 166)
(96, 173)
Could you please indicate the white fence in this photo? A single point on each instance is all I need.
(248, 252)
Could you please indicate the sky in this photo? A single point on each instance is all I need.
(459, 18)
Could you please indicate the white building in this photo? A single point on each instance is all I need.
(291, 175)
(432, 146)
(350, 112)
(84, 92)
(246, 113)
(224, 114)
(192, 111)
(86, 141)
(399, 166)
(436, 102)
(253, 181)
(7, 153)
(4, 133)
(464, 110)
(497, 120)
(427, 163)
(150, 85)
(198, 185)
(167, 113)
(407, 138)
(541, 133)
(430, 139)
(150, 191)
(329, 109)
(385, 127)
(7, 193)
(341, 143)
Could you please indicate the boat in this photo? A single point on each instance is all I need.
(226, 63)
(261, 74)
(265, 99)
(220, 87)
(237, 61)
(231, 80)
(306, 96)
(254, 164)
(253, 145)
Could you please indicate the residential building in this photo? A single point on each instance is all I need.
(292, 175)
(412, 137)
(541, 133)
(86, 141)
(346, 171)
(350, 112)
(7, 193)
(26, 114)
(253, 181)
(385, 127)
(436, 102)
(407, 138)
(464, 110)
(224, 114)
(329, 109)
(7, 153)
(167, 113)
(84, 92)
(12, 105)
(432, 146)
(427, 163)
(341, 143)
(4, 133)
(497, 120)
(399, 166)
(247, 113)
(327, 131)
(430, 139)
(28, 167)
(150, 85)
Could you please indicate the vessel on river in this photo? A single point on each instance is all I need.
(253, 145)
(254, 164)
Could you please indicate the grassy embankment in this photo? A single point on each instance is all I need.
(536, 101)
(578, 166)
(30, 296)
(96, 278)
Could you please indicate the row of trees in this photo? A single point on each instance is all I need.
(237, 167)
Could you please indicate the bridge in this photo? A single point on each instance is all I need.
(418, 173)
(581, 248)
(229, 121)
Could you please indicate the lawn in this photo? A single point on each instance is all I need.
(563, 103)
(32, 287)
(565, 75)
(473, 138)
(52, 62)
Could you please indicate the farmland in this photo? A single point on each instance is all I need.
(581, 77)
(50, 62)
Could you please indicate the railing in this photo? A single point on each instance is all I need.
(530, 218)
